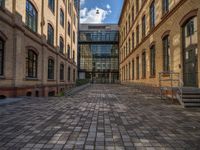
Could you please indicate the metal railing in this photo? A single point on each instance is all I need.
(170, 82)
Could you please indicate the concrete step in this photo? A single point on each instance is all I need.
(191, 101)
(191, 96)
(191, 104)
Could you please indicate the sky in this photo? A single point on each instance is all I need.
(109, 11)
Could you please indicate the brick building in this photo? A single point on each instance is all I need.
(38, 47)
(160, 36)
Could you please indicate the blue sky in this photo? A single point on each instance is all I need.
(109, 11)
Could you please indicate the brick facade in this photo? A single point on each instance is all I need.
(169, 23)
(18, 39)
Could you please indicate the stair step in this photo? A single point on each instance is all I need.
(191, 101)
(192, 104)
(191, 96)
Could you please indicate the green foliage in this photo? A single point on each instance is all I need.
(80, 82)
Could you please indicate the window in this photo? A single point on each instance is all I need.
(61, 72)
(31, 16)
(51, 69)
(152, 15)
(74, 37)
(133, 14)
(152, 61)
(138, 67)
(129, 71)
(190, 32)
(1, 56)
(144, 65)
(129, 45)
(69, 28)
(61, 45)
(137, 34)
(62, 18)
(69, 74)
(31, 64)
(137, 6)
(74, 75)
(166, 54)
(133, 69)
(50, 39)
(73, 55)
(165, 6)
(133, 40)
(51, 4)
(143, 26)
(2, 3)
(68, 52)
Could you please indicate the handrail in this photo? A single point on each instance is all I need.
(171, 77)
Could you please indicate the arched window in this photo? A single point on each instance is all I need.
(73, 56)
(62, 72)
(31, 16)
(51, 69)
(51, 4)
(50, 39)
(62, 18)
(61, 45)
(166, 53)
(69, 74)
(68, 51)
(1, 56)
(31, 64)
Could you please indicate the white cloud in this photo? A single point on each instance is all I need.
(90, 16)
(82, 2)
(108, 6)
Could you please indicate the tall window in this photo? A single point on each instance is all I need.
(144, 65)
(165, 6)
(68, 52)
(138, 67)
(69, 28)
(1, 56)
(62, 18)
(166, 53)
(62, 72)
(137, 6)
(51, 4)
(50, 39)
(133, 14)
(31, 16)
(73, 55)
(2, 3)
(133, 69)
(152, 15)
(152, 61)
(51, 69)
(69, 73)
(61, 45)
(74, 75)
(143, 26)
(31, 64)
(137, 34)
(74, 37)
(133, 40)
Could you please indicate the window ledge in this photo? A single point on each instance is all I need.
(62, 80)
(2, 77)
(31, 79)
(51, 80)
(152, 76)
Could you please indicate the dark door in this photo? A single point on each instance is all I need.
(190, 67)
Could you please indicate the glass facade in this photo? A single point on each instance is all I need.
(99, 56)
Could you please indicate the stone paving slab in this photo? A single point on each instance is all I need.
(110, 117)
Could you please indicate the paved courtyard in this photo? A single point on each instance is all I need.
(111, 117)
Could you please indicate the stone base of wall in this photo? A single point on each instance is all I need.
(147, 88)
(43, 91)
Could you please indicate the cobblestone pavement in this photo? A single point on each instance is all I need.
(101, 117)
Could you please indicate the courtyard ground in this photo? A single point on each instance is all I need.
(112, 117)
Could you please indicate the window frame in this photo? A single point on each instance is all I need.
(2, 59)
(166, 53)
(51, 5)
(50, 33)
(152, 61)
(51, 69)
(31, 62)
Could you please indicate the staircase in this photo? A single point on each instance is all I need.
(190, 97)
